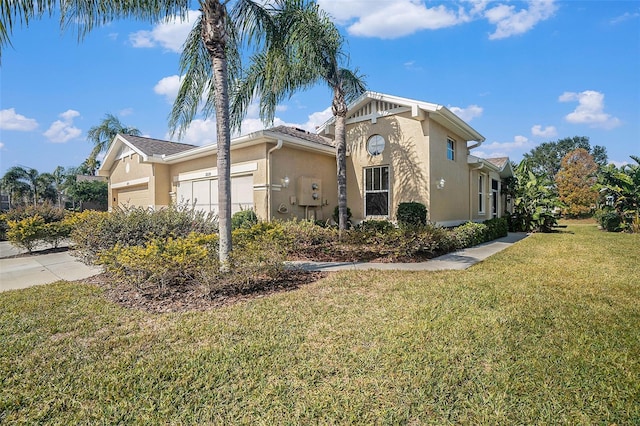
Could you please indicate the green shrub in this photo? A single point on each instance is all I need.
(469, 234)
(26, 233)
(4, 226)
(161, 262)
(56, 232)
(336, 212)
(243, 219)
(609, 220)
(411, 214)
(497, 227)
(94, 231)
(46, 211)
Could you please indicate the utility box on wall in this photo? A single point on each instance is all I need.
(309, 191)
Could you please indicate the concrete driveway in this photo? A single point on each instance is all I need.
(29, 270)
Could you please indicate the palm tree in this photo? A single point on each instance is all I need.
(12, 182)
(209, 60)
(102, 136)
(308, 49)
(84, 14)
(27, 181)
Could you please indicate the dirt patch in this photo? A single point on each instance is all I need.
(189, 297)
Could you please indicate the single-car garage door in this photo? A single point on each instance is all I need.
(137, 196)
(203, 194)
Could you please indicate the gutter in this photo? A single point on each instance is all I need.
(275, 148)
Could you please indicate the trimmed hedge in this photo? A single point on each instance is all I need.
(411, 214)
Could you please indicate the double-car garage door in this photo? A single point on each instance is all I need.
(203, 194)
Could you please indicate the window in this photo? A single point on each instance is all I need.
(481, 194)
(451, 149)
(376, 191)
(375, 145)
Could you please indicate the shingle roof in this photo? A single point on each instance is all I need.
(499, 162)
(156, 147)
(301, 134)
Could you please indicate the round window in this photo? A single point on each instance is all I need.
(375, 145)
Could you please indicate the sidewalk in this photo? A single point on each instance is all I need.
(459, 260)
(35, 269)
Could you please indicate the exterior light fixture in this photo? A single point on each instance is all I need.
(440, 184)
(285, 182)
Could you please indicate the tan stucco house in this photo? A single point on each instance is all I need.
(398, 150)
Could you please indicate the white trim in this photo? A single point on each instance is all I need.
(213, 172)
(131, 182)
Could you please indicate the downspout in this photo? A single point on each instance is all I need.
(278, 146)
(471, 189)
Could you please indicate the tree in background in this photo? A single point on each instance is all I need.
(575, 182)
(308, 49)
(90, 191)
(26, 186)
(103, 135)
(534, 200)
(547, 157)
(620, 195)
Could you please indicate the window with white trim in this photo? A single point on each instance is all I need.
(481, 194)
(451, 149)
(376, 191)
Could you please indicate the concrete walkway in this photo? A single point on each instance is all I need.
(36, 269)
(461, 259)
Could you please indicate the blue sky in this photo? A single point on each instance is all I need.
(521, 73)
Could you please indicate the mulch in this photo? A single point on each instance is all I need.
(190, 297)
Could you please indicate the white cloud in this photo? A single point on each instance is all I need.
(62, 131)
(547, 132)
(509, 21)
(200, 132)
(168, 87)
(392, 19)
(625, 17)
(398, 18)
(468, 113)
(170, 34)
(519, 142)
(10, 120)
(1, 145)
(125, 112)
(590, 109)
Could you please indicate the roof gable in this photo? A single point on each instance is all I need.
(373, 105)
(156, 147)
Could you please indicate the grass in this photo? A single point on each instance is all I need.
(544, 332)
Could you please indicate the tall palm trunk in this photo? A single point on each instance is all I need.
(215, 40)
(339, 109)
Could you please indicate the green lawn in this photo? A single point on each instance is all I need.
(545, 332)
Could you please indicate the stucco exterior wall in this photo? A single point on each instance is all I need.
(450, 204)
(161, 186)
(406, 153)
(128, 173)
(295, 163)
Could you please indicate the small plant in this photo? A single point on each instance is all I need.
(610, 220)
(243, 219)
(336, 213)
(497, 227)
(26, 233)
(411, 214)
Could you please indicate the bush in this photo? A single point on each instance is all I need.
(46, 211)
(411, 214)
(469, 234)
(497, 227)
(94, 231)
(243, 219)
(336, 212)
(161, 262)
(609, 220)
(26, 233)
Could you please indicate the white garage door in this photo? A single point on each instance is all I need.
(203, 194)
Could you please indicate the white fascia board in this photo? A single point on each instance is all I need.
(110, 156)
(458, 124)
(131, 182)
